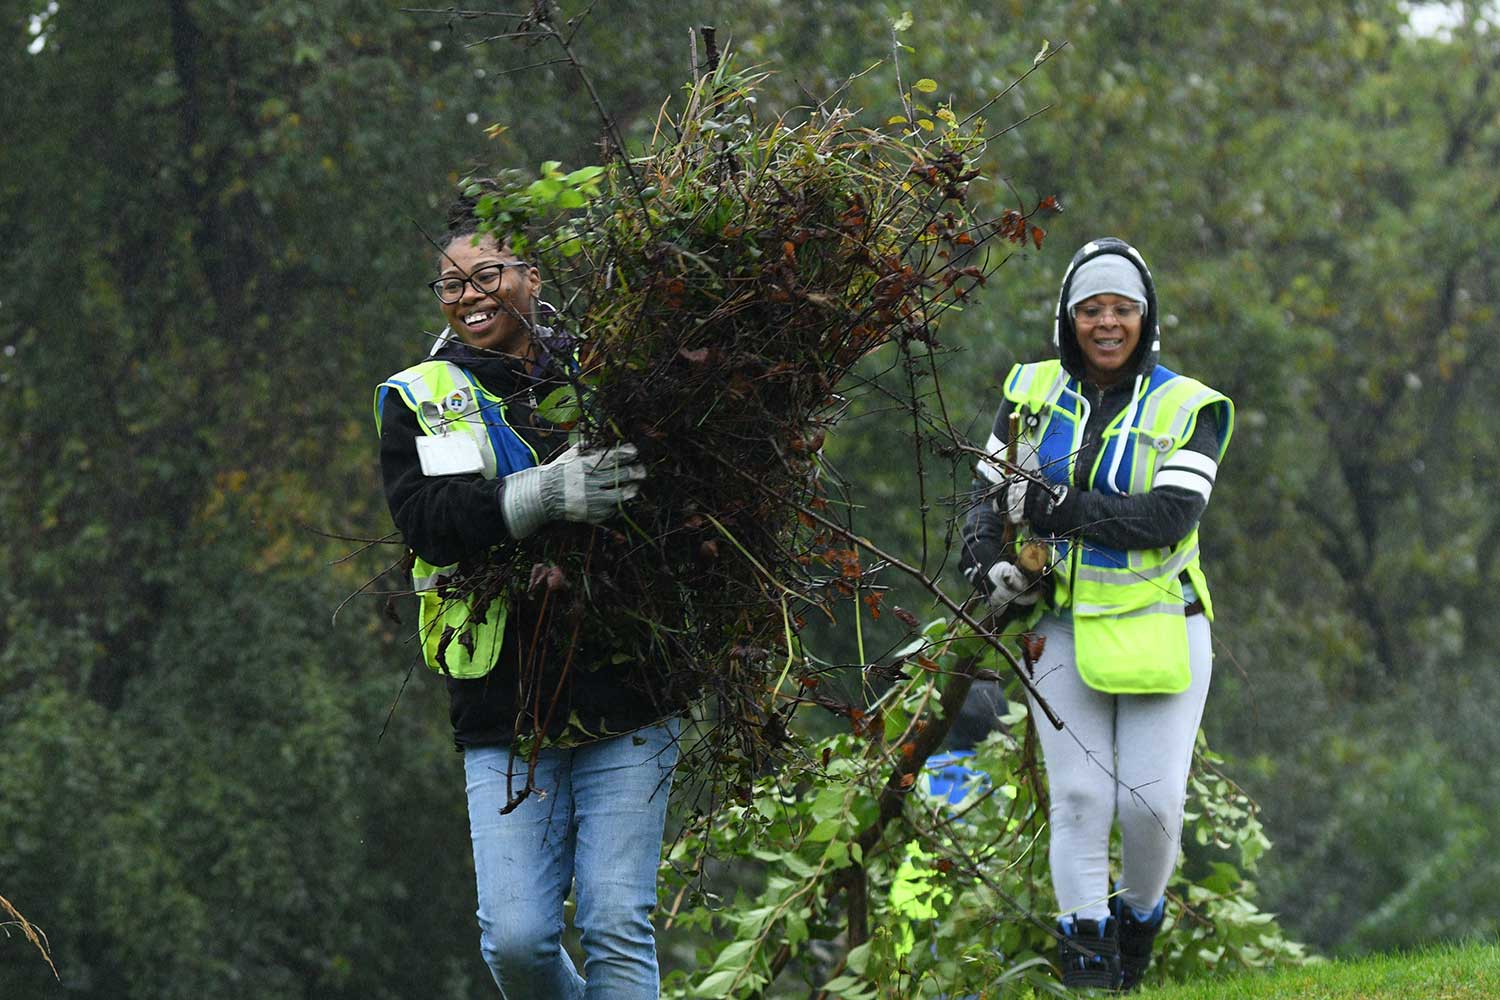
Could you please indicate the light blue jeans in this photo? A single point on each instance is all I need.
(595, 820)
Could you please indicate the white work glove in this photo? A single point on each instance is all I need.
(1012, 502)
(1009, 585)
(577, 485)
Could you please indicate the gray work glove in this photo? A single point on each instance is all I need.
(1012, 502)
(575, 486)
(1009, 585)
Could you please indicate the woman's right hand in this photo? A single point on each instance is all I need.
(585, 486)
(1012, 502)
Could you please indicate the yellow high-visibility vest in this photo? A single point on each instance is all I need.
(461, 633)
(1129, 631)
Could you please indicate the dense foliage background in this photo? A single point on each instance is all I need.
(213, 215)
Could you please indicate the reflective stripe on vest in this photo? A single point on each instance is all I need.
(1129, 631)
(448, 400)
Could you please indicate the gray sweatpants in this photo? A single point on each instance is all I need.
(1119, 756)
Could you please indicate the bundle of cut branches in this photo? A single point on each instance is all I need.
(724, 284)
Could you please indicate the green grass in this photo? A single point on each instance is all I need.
(1455, 972)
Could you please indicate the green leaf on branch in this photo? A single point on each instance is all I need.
(825, 830)
(545, 190)
(582, 175)
(560, 406)
(716, 984)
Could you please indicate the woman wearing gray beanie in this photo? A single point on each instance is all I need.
(1118, 460)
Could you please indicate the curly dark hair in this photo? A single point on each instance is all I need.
(462, 219)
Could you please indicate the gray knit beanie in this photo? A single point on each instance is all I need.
(1107, 273)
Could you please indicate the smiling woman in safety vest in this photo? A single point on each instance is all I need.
(470, 467)
(1119, 456)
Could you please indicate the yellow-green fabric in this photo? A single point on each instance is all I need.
(1127, 607)
(461, 634)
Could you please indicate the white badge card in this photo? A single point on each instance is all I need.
(449, 455)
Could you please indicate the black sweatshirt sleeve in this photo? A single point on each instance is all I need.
(1157, 518)
(443, 518)
(984, 526)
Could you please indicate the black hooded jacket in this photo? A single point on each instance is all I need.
(446, 519)
(1159, 517)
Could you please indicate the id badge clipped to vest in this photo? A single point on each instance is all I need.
(449, 455)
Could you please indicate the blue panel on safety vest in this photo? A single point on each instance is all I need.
(1055, 452)
(1104, 556)
(511, 453)
(385, 389)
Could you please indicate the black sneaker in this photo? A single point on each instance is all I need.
(1089, 954)
(1137, 937)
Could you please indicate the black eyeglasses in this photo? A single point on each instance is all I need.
(486, 280)
(1123, 311)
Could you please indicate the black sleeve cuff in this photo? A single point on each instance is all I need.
(1049, 514)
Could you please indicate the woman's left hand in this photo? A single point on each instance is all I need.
(1009, 584)
(1046, 509)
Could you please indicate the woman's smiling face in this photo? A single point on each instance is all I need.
(495, 320)
(1108, 328)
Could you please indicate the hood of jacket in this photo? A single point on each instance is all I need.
(1065, 338)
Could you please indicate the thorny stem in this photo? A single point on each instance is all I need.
(1036, 65)
(334, 620)
(916, 440)
(391, 712)
(896, 67)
